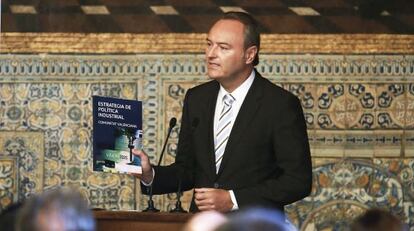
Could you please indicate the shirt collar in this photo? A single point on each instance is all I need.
(241, 91)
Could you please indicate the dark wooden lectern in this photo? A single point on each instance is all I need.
(133, 220)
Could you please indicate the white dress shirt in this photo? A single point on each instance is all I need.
(239, 94)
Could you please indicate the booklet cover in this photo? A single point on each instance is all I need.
(117, 129)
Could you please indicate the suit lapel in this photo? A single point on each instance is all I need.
(211, 107)
(247, 112)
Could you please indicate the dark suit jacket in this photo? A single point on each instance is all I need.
(266, 160)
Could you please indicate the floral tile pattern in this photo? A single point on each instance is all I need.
(21, 165)
(359, 118)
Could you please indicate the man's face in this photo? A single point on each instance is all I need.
(225, 50)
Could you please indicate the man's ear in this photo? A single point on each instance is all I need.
(250, 54)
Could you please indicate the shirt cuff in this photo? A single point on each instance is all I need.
(233, 199)
(150, 183)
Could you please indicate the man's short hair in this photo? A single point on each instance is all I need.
(251, 30)
(64, 207)
(263, 219)
(378, 220)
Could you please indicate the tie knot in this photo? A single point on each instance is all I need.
(228, 99)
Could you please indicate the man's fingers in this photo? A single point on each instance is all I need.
(213, 199)
(204, 205)
(147, 175)
(144, 158)
(135, 174)
(201, 190)
(139, 153)
(199, 196)
(202, 196)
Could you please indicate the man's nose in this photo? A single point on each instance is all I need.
(211, 51)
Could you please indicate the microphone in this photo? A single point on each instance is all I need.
(178, 208)
(151, 207)
(173, 122)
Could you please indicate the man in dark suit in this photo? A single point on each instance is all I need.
(243, 140)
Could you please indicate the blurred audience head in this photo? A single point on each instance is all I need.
(205, 221)
(259, 219)
(60, 209)
(378, 220)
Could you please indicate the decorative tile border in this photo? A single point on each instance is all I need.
(292, 68)
(195, 43)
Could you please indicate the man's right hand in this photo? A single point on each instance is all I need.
(147, 174)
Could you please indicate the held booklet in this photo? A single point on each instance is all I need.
(117, 129)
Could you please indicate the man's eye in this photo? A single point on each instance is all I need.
(224, 48)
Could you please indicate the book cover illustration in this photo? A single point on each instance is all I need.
(117, 129)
